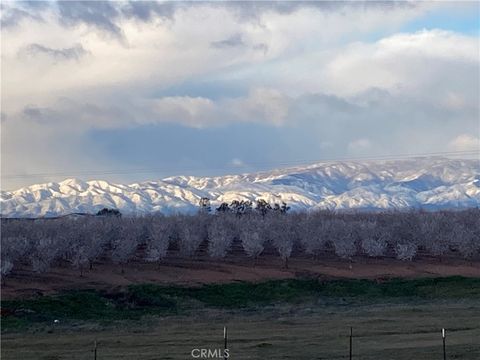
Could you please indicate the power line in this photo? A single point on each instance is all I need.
(250, 164)
(284, 163)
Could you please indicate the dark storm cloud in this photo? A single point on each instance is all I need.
(11, 17)
(73, 53)
(39, 115)
(232, 41)
(146, 10)
(104, 15)
(101, 14)
(35, 4)
(261, 47)
(321, 126)
(70, 113)
(254, 9)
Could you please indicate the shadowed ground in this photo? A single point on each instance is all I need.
(280, 319)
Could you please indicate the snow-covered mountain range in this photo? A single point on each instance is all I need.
(430, 183)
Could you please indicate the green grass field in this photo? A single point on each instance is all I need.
(282, 319)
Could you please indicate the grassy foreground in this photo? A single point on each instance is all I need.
(282, 319)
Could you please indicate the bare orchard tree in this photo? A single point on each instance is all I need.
(97, 240)
(343, 236)
(126, 243)
(15, 227)
(406, 251)
(374, 239)
(12, 250)
(161, 231)
(191, 233)
(220, 235)
(466, 241)
(80, 241)
(251, 236)
(80, 257)
(314, 233)
(6, 266)
(283, 233)
(404, 228)
(436, 231)
(89, 242)
(44, 252)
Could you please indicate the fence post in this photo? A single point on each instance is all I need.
(351, 336)
(95, 349)
(225, 342)
(444, 350)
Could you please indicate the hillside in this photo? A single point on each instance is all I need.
(431, 183)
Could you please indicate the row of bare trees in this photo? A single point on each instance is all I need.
(82, 241)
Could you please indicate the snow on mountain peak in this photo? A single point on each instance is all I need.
(421, 182)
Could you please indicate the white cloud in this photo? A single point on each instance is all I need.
(427, 64)
(359, 146)
(187, 110)
(237, 163)
(455, 101)
(158, 54)
(268, 105)
(287, 68)
(260, 105)
(465, 142)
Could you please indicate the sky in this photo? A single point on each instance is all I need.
(130, 91)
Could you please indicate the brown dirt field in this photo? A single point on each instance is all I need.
(24, 282)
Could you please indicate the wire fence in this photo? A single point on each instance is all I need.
(226, 352)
